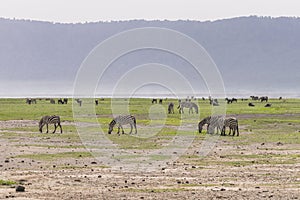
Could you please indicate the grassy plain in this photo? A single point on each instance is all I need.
(266, 154)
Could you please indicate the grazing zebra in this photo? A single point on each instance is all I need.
(233, 125)
(171, 108)
(50, 120)
(254, 97)
(212, 123)
(206, 120)
(122, 120)
(189, 105)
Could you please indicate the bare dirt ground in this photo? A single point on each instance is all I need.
(216, 176)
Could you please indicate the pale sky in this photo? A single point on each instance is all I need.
(67, 11)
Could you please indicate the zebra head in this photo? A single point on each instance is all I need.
(111, 126)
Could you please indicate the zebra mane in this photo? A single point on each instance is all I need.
(112, 123)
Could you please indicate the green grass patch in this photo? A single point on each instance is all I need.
(7, 182)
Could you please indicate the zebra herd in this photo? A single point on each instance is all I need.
(213, 122)
(220, 123)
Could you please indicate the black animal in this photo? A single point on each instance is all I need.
(268, 105)
(122, 120)
(254, 98)
(65, 101)
(154, 101)
(251, 104)
(96, 102)
(50, 120)
(160, 101)
(171, 108)
(60, 101)
(265, 98)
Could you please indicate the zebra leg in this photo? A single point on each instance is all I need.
(55, 126)
(135, 128)
(118, 130)
(60, 128)
(237, 130)
(130, 129)
(122, 129)
(47, 128)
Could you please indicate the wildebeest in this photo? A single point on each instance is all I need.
(264, 98)
(268, 105)
(171, 108)
(251, 104)
(154, 101)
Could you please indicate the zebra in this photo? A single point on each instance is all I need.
(122, 120)
(233, 125)
(189, 105)
(50, 120)
(212, 123)
(206, 120)
(171, 108)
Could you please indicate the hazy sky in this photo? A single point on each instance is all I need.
(106, 10)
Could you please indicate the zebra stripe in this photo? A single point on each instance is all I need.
(122, 120)
(50, 120)
(189, 105)
(233, 125)
(212, 122)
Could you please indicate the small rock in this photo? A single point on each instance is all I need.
(222, 189)
(94, 163)
(20, 188)
(6, 161)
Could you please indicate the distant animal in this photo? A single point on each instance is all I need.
(52, 101)
(280, 98)
(79, 101)
(154, 101)
(262, 99)
(189, 105)
(233, 125)
(171, 108)
(50, 120)
(251, 104)
(160, 101)
(60, 101)
(65, 101)
(122, 120)
(254, 98)
(268, 105)
(96, 102)
(213, 102)
(28, 101)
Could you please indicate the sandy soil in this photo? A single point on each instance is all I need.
(186, 178)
